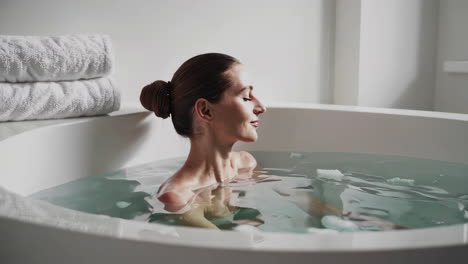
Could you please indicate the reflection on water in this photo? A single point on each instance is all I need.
(291, 192)
(211, 208)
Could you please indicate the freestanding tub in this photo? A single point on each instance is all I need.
(35, 155)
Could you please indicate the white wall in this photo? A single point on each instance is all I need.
(347, 47)
(451, 93)
(279, 41)
(398, 53)
(386, 53)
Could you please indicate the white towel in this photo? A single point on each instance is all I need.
(53, 100)
(54, 58)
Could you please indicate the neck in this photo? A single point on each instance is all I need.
(209, 160)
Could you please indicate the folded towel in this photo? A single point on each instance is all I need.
(53, 100)
(54, 58)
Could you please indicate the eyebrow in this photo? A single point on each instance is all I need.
(245, 87)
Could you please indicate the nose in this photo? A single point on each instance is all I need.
(259, 107)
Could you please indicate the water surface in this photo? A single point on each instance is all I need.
(289, 192)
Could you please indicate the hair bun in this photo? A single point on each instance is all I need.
(155, 97)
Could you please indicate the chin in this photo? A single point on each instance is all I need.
(250, 138)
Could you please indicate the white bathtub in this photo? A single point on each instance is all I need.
(35, 155)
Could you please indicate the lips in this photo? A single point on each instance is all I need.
(255, 123)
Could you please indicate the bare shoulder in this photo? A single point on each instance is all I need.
(174, 196)
(174, 193)
(246, 160)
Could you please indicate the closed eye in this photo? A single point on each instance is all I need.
(247, 99)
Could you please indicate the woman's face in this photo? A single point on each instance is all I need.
(236, 114)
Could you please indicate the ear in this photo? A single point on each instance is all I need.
(203, 109)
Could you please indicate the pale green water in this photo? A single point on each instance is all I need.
(290, 193)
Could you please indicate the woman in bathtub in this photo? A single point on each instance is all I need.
(211, 102)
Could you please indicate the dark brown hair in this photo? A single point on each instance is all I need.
(202, 76)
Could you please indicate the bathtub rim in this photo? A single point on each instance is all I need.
(366, 109)
(135, 109)
(276, 241)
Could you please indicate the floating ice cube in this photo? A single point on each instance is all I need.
(295, 155)
(401, 181)
(255, 233)
(330, 174)
(122, 204)
(338, 224)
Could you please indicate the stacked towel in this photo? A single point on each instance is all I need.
(56, 77)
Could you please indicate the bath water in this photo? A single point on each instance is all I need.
(288, 192)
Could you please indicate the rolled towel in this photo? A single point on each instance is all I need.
(54, 58)
(53, 100)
